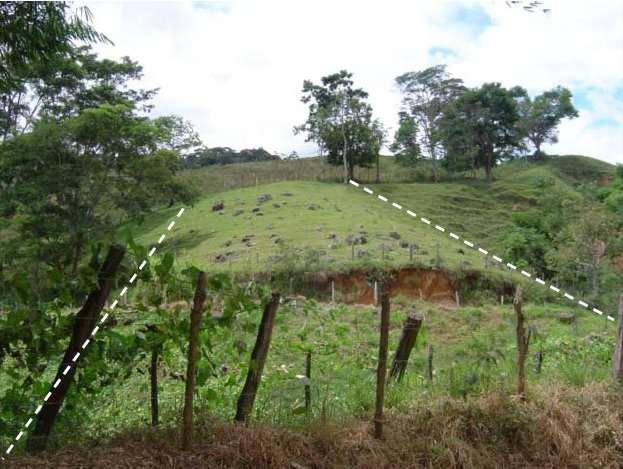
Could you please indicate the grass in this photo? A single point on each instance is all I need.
(303, 214)
(465, 417)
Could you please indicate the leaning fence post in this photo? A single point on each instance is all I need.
(191, 367)
(83, 330)
(381, 369)
(258, 358)
(405, 345)
(522, 344)
(618, 350)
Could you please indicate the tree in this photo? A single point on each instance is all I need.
(340, 122)
(405, 145)
(71, 182)
(425, 94)
(542, 116)
(32, 36)
(479, 127)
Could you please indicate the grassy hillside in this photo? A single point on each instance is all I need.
(317, 217)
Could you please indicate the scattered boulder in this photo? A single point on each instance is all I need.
(357, 239)
(238, 212)
(227, 243)
(460, 251)
(333, 245)
(362, 253)
(270, 226)
(566, 318)
(256, 209)
(332, 236)
(278, 241)
(259, 214)
(313, 207)
(287, 194)
(224, 257)
(247, 238)
(404, 244)
(264, 198)
(386, 247)
(276, 205)
(394, 235)
(218, 206)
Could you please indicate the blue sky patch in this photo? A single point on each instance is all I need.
(475, 19)
(442, 52)
(605, 122)
(212, 7)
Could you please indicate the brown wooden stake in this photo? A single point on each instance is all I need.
(258, 358)
(83, 325)
(307, 385)
(381, 369)
(617, 359)
(191, 368)
(522, 345)
(429, 362)
(153, 381)
(405, 345)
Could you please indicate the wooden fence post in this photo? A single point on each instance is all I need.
(153, 385)
(376, 293)
(405, 345)
(191, 367)
(381, 369)
(410, 252)
(429, 362)
(456, 297)
(308, 383)
(332, 291)
(522, 344)
(83, 326)
(258, 358)
(617, 359)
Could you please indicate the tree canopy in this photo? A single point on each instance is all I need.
(340, 121)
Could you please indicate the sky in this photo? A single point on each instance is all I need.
(235, 68)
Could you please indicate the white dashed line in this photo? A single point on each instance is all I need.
(88, 340)
(483, 251)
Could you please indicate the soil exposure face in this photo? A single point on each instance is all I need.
(415, 283)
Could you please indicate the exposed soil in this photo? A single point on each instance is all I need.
(417, 283)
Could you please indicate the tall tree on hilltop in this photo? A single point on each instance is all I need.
(479, 127)
(425, 94)
(542, 116)
(340, 121)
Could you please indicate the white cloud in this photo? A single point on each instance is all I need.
(236, 70)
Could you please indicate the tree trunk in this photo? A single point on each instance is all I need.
(351, 172)
(407, 341)
(378, 174)
(258, 358)
(82, 329)
(191, 368)
(522, 345)
(153, 385)
(381, 369)
(617, 359)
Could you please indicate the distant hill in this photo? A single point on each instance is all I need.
(225, 155)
